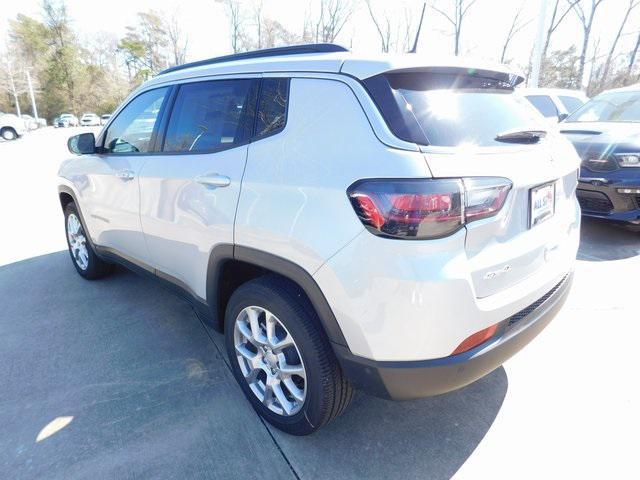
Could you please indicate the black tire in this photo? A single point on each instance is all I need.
(95, 267)
(328, 390)
(8, 133)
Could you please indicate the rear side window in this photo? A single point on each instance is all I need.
(272, 108)
(132, 130)
(570, 103)
(544, 104)
(450, 109)
(208, 116)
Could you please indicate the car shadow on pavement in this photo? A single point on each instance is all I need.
(602, 241)
(118, 378)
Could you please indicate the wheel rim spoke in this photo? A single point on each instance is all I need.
(262, 347)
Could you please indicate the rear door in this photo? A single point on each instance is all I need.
(189, 190)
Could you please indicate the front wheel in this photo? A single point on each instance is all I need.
(281, 357)
(84, 259)
(8, 133)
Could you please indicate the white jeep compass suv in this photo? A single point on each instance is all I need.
(393, 224)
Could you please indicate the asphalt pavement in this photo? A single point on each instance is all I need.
(119, 379)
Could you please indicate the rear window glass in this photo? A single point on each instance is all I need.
(609, 107)
(450, 109)
(210, 115)
(544, 104)
(570, 103)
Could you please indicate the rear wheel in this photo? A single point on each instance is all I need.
(8, 133)
(281, 357)
(84, 259)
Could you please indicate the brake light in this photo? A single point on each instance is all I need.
(426, 208)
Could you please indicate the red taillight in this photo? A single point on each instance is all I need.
(476, 339)
(426, 208)
(409, 208)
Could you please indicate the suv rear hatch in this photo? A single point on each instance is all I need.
(473, 124)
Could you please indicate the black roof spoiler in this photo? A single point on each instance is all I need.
(266, 52)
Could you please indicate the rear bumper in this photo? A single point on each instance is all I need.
(404, 380)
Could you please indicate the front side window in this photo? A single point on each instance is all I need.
(272, 110)
(451, 109)
(211, 115)
(609, 107)
(132, 130)
(544, 104)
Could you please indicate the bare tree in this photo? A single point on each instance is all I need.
(332, 17)
(394, 30)
(634, 53)
(586, 19)
(257, 8)
(414, 48)
(10, 82)
(516, 25)
(178, 41)
(556, 20)
(236, 22)
(461, 7)
(607, 65)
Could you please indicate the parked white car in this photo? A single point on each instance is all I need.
(387, 238)
(105, 118)
(11, 126)
(90, 120)
(555, 104)
(68, 120)
(30, 123)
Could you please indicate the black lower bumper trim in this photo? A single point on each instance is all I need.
(406, 380)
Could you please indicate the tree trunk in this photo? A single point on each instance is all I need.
(607, 65)
(632, 60)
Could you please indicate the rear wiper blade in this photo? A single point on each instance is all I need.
(521, 136)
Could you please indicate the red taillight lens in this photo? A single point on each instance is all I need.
(409, 208)
(426, 208)
(476, 339)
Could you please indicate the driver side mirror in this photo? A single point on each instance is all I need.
(82, 144)
(562, 117)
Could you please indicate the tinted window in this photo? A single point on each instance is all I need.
(544, 104)
(610, 107)
(447, 109)
(132, 129)
(210, 115)
(570, 103)
(272, 110)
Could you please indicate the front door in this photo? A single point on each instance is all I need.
(189, 191)
(112, 196)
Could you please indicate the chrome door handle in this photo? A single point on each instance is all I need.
(213, 180)
(125, 175)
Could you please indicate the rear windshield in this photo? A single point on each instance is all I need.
(447, 109)
(609, 107)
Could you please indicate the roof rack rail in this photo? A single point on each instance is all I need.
(266, 52)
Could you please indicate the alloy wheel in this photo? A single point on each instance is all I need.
(270, 361)
(77, 241)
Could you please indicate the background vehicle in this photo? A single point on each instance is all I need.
(267, 207)
(105, 118)
(554, 104)
(606, 134)
(11, 126)
(30, 122)
(90, 119)
(68, 120)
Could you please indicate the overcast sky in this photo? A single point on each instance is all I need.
(483, 33)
